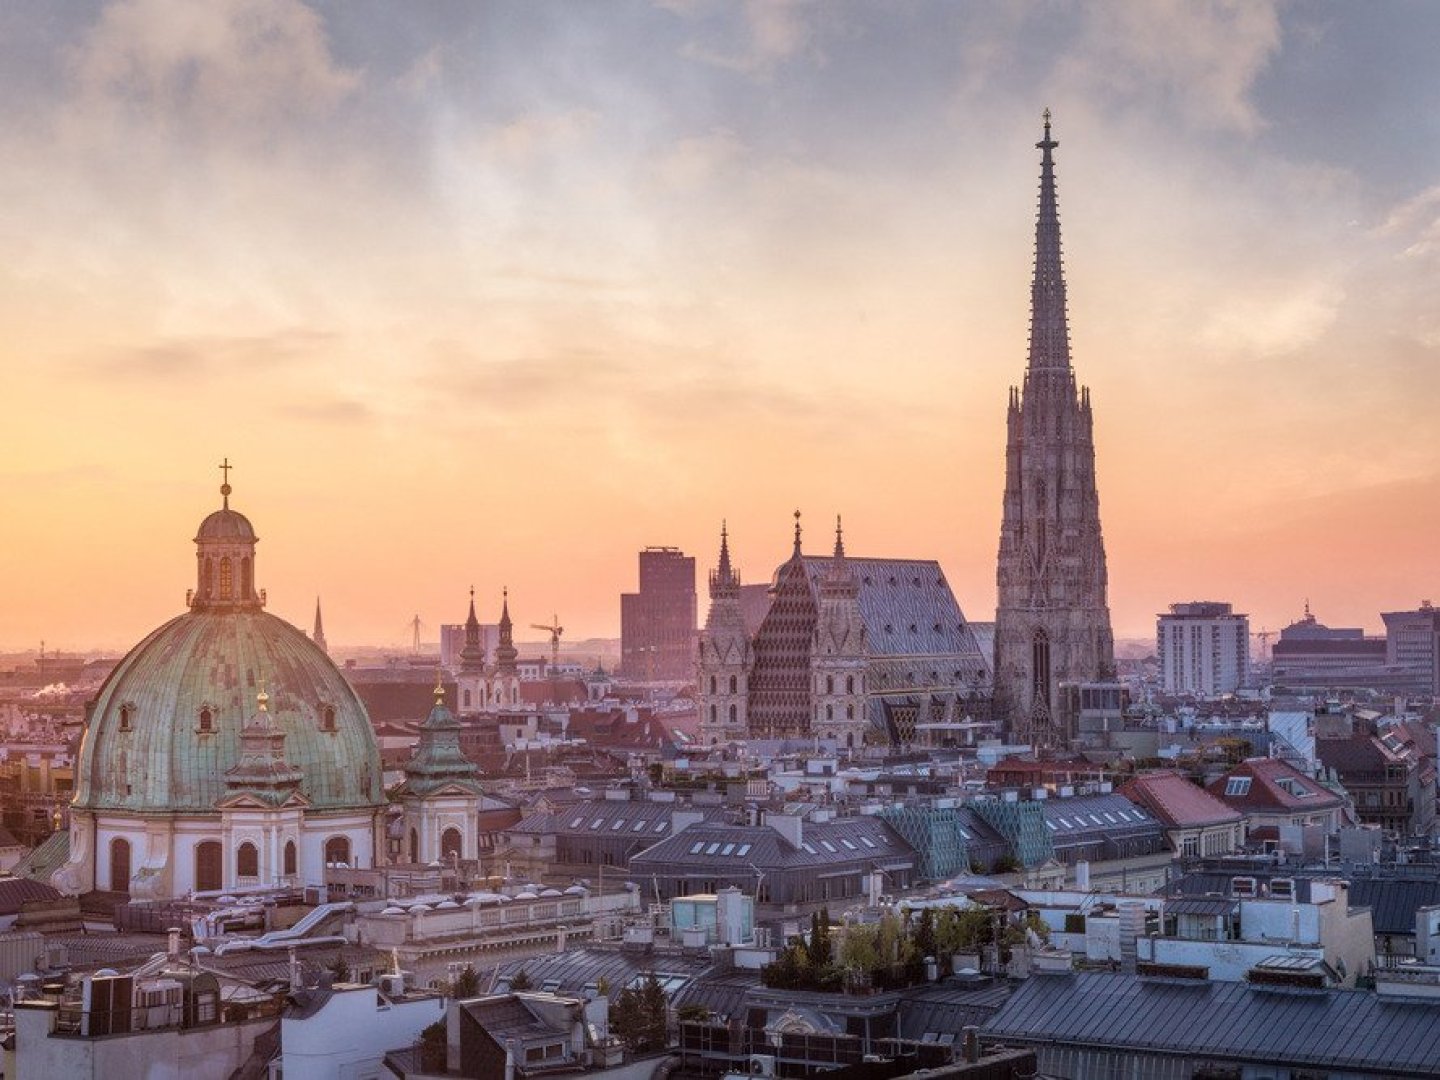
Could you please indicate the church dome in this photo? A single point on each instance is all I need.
(226, 525)
(166, 726)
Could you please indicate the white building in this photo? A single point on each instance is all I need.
(1204, 648)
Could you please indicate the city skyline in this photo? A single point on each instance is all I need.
(478, 298)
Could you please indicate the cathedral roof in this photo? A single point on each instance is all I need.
(907, 605)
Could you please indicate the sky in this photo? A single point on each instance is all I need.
(497, 294)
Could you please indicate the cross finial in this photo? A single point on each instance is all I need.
(797, 532)
(225, 468)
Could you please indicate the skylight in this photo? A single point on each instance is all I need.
(638, 826)
(829, 847)
(577, 823)
(742, 851)
(1237, 785)
(695, 847)
(727, 849)
(867, 841)
(714, 847)
(617, 824)
(847, 845)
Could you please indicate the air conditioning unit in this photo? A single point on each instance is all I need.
(762, 1065)
(392, 986)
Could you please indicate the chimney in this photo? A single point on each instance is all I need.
(172, 939)
(790, 826)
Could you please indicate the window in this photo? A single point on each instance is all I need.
(733, 714)
(697, 847)
(1237, 786)
(207, 720)
(337, 850)
(451, 843)
(829, 847)
(714, 847)
(327, 715)
(208, 866)
(661, 826)
(714, 685)
(127, 716)
(290, 858)
(733, 684)
(848, 845)
(120, 865)
(247, 860)
(727, 849)
(227, 584)
(829, 684)
(638, 826)
(577, 822)
(594, 825)
(742, 851)
(617, 824)
(867, 841)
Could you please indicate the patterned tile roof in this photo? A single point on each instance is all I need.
(907, 606)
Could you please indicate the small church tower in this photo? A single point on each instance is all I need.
(840, 654)
(470, 679)
(441, 792)
(504, 680)
(724, 663)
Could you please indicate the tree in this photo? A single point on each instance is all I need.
(521, 981)
(818, 949)
(467, 983)
(639, 1016)
(433, 1041)
(339, 969)
(924, 933)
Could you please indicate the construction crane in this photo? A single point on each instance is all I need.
(1265, 636)
(554, 630)
(416, 626)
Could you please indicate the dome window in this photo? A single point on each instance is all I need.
(227, 580)
(127, 717)
(327, 717)
(207, 720)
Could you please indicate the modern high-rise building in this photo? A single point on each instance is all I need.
(1412, 642)
(1052, 621)
(658, 623)
(1204, 648)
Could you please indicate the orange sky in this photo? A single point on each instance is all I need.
(500, 295)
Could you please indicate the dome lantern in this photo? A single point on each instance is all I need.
(225, 558)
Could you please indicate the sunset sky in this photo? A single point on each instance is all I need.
(497, 294)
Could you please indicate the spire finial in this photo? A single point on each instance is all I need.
(439, 687)
(797, 532)
(839, 538)
(225, 468)
(262, 699)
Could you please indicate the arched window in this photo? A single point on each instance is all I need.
(733, 684)
(226, 583)
(465, 699)
(733, 714)
(127, 716)
(829, 712)
(1040, 667)
(290, 858)
(327, 718)
(451, 844)
(247, 860)
(414, 846)
(337, 851)
(247, 579)
(207, 720)
(209, 866)
(829, 684)
(714, 712)
(120, 865)
(713, 684)
(207, 577)
(849, 684)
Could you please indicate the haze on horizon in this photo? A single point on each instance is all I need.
(499, 294)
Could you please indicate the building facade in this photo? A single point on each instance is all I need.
(852, 650)
(1411, 644)
(657, 624)
(1204, 649)
(1052, 622)
(224, 751)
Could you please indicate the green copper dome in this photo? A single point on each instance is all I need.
(166, 726)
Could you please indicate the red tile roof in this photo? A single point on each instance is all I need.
(1176, 801)
(1267, 791)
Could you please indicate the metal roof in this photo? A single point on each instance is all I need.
(858, 840)
(1353, 1030)
(950, 1006)
(577, 971)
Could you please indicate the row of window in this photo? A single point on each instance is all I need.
(226, 575)
(205, 720)
(208, 861)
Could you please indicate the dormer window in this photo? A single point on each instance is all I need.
(127, 717)
(206, 720)
(327, 717)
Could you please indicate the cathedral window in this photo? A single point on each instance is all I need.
(337, 850)
(849, 712)
(247, 860)
(226, 579)
(733, 714)
(1040, 667)
(713, 685)
(713, 714)
(733, 684)
(829, 684)
(829, 712)
(207, 720)
(849, 684)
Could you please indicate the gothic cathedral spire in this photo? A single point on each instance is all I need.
(1052, 622)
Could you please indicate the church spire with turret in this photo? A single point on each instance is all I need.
(724, 663)
(317, 635)
(1052, 621)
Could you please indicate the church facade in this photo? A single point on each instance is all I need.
(1052, 621)
(225, 751)
(856, 651)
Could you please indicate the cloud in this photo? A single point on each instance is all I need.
(1205, 55)
(193, 358)
(770, 32)
(220, 68)
(693, 161)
